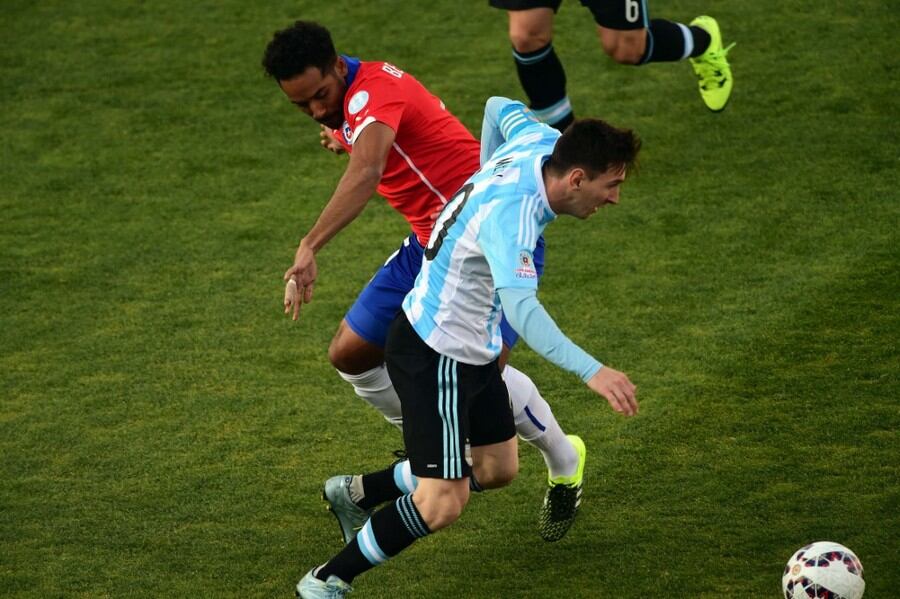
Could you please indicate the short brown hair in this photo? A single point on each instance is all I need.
(595, 146)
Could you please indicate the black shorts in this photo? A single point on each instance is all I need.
(447, 406)
(622, 15)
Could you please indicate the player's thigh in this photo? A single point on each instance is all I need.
(492, 429)
(351, 354)
(439, 501)
(489, 413)
(504, 356)
(625, 47)
(496, 465)
(434, 402)
(371, 314)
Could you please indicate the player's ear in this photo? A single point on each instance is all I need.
(340, 67)
(576, 177)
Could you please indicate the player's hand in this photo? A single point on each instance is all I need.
(328, 141)
(299, 281)
(617, 389)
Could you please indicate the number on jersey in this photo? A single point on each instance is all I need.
(392, 70)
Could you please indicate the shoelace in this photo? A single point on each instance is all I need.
(337, 591)
(711, 66)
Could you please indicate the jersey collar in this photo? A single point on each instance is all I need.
(549, 215)
(352, 68)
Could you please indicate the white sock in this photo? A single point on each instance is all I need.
(536, 424)
(375, 387)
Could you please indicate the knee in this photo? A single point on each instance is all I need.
(351, 354)
(623, 48)
(441, 510)
(497, 474)
(528, 38)
(341, 358)
(626, 55)
(447, 513)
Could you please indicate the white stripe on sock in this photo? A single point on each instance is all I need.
(688, 41)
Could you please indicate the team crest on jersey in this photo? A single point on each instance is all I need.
(525, 268)
(358, 101)
(347, 132)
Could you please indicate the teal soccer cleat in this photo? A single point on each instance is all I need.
(350, 516)
(311, 587)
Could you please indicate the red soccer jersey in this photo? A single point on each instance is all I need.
(433, 153)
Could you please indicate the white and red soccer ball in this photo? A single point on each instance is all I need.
(823, 570)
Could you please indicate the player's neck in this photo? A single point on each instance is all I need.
(556, 189)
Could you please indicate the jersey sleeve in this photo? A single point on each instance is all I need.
(491, 136)
(380, 99)
(504, 120)
(508, 238)
(526, 315)
(339, 136)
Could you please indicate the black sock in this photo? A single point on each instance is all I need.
(668, 41)
(378, 488)
(347, 564)
(544, 81)
(389, 531)
(701, 40)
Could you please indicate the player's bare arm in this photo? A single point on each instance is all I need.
(618, 390)
(364, 170)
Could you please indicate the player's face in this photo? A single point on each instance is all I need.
(318, 94)
(592, 194)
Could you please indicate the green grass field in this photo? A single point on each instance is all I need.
(164, 430)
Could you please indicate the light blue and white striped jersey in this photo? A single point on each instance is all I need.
(483, 241)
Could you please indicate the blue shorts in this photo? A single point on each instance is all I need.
(375, 308)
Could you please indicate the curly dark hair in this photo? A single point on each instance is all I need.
(293, 50)
(596, 146)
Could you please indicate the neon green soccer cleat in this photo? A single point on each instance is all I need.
(563, 498)
(712, 67)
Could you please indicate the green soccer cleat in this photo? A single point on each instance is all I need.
(350, 516)
(311, 587)
(712, 67)
(563, 498)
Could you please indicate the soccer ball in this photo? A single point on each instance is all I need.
(823, 570)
